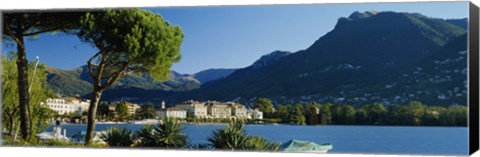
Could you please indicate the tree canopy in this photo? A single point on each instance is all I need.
(129, 41)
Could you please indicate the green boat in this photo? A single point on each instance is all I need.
(305, 147)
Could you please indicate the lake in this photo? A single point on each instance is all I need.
(345, 139)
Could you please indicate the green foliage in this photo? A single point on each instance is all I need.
(413, 113)
(129, 41)
(147, 136)
(138, 39)
(375, 113)
(297, 115)
(103, 110)
(122, 111)
(58, 143)
(361, 117)
(282, 112)
(454, 115)
(343, 114)
(148, 111)
(38, 95)
(258, 143)
(235, 137)
(170, 134)
(118, 137)
(66, 82)
(265, 105)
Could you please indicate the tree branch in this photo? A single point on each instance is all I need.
(115, 76)
(40, 32)
(10, 33)
(100, 69)
(90, 65)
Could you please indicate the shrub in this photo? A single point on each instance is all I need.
(117, 137)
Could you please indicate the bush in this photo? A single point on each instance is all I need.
(117, 137)
(168, 134)
(234, 137)
(258, 143)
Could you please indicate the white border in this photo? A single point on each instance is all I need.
(73, 4)
(79, 4)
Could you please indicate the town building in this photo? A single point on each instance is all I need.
(194, 108)
(214, 109)
(238, 110)
(254, 114)
(218, 110)
(132, 108)
(80, 106)
(172, 112)
(60, 106)
(68, 105)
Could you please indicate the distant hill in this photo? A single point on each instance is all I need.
(77, 82)
(208, 75)
(368, 57)
(346, 64)
(462, 23)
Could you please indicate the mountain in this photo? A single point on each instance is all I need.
(67, 82)
(462, 23)
(208, 75)
(77, 82)
(269, 58)
(362, 50)
(368, 57)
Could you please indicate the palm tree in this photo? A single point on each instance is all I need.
(170, 134)
(235, 137)
(232, 137)
(258, 143)
(117, 137)
(146, 136)
(167, 134)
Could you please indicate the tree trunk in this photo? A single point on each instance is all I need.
(96, 94)
(22, 67)
(11, 130)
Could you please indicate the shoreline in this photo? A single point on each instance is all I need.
(279, 124)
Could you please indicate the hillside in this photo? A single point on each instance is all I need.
(362, 50)
(368, 57)
(77, 82)
(208, 75)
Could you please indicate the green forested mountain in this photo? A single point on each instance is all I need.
(385, 57)
(350, 64)
(208, 75)
(77, 82)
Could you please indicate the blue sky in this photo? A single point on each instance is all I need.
(236, 36)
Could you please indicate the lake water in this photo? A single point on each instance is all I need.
(345, 139)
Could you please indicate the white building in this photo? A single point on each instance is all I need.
(214, 109)
(132, 108)
(194, 108)
(254, 114)
(238, 110)
(218, 110)
(60, 106)
(172, 112)
(79, 105)
(68, 105)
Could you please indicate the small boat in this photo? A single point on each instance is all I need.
(305, 147)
